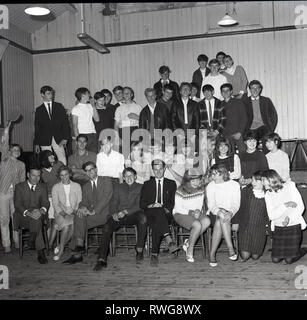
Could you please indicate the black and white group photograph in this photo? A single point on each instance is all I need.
(153, 151)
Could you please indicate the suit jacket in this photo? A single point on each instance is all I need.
(198, 78)
(173, 84)
(22, 197)
(59, 196)
(177, 115)
(161, 117)
(148, 194)
(104, 195)
(57, 127)
(218, 119)
(267, 110)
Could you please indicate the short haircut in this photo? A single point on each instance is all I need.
(224, 140)
(257, 175)
(221, 169)
(184, 84)
(13, 145)
(227, 85)
(157, 162)
(44, 89)
(98, 95)
(227, 56)
(131, 90)
(213, 61)
(43, 156)
(275, 180)
(87, 164)
(34, 167)
(194, 85)
(81, 91)
(255, 82)
(129, 169)
(208, 87)
(64, 168)
(250, 135)
(202, 57)
(107, 91)
(117, 88)
(147, 90)
(220, 53)
(273, 137)
(82, 135)
(163, 69)
(168, 87)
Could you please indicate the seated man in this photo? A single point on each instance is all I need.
(76, 160)
(31, 205)
(93, 209)
(125, 211)
(157, 200)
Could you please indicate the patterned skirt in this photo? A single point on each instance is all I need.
(286, 241)
(252, 239)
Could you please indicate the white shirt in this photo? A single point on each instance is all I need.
(277, 211)
(212, 108)
(47, 104)
(203, 72)
(255, 98)
(84, 112)
(94, 181)
(111, 165)
(279, 161)
(152, 109)
(67, 191)
(216, 82)
(122, 112)
(157, 183)
(31, 185)
(185, 109)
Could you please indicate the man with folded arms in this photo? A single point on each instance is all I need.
(125, 209)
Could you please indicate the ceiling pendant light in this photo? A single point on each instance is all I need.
(37, 11)
(227, 20)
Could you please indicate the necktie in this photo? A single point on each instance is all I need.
(94, 192)
(49, 109)
(210, 114)
(159, 191)
(32, 189)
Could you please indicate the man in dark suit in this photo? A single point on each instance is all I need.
(154, 115)
(201, 72)
(51, 125)
(164, 72)
(93, 209)
(212, 113)
(157, 200)
(125, 210)
(261, 114)
(31, 210)
(185, 111)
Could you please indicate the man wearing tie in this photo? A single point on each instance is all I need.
(51, 125)
(31, 207)
(212, 114)
(157, 201)
(93, 209)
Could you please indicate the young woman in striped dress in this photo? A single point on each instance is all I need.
(252, 219)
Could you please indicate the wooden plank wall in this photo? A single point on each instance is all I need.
(275, 58)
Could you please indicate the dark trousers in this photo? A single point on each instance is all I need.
(92, 144)
(260, 133)
(138, 218)
(35, 228)
(159, 222)
(237, 144)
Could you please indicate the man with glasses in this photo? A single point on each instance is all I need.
(125, 210)
(93, 209)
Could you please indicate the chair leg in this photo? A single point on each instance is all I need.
(113, 244)
(203, 246)
(86, 242)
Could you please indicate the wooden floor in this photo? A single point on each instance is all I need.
(172, 279)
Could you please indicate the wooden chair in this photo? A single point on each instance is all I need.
(121, 237)
(148, 244)
(96, 234)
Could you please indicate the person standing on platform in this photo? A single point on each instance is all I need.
(51, 125)
(202, 72)
(164, 72)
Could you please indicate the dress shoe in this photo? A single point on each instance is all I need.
(139, 257)
(42, 258)
(173, 248)
(79, 249)
(100, 265)
(73, 260)
(154, 260)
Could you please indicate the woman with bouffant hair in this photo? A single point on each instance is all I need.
(189, 210)
(285, 208)
(66, 196)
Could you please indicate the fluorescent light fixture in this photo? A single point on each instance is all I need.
(37, 11)
(94, 44)
(227, 20)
